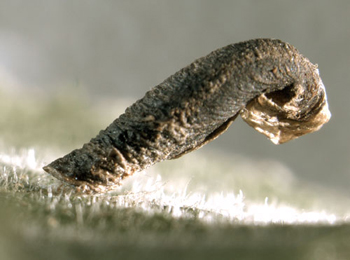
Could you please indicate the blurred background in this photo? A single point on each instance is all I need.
(107, 50)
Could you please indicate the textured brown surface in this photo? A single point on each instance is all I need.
(276, 89)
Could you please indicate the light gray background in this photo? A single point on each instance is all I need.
(123, 48)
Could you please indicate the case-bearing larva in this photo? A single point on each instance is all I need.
(268, 82)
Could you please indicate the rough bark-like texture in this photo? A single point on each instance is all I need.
(274, 88)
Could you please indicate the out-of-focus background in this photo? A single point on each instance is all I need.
(123, 48)
(69, 68)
